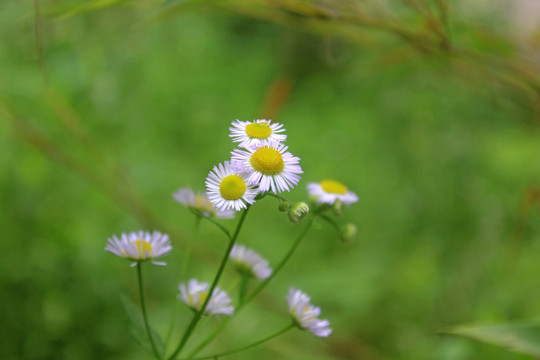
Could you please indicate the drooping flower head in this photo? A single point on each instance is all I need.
(248, 260)
(256, 133)
(306, 315)
(227, 188)
(200, 202)
(328, 191)
(140, 246)
(270, 166)
(196, 293)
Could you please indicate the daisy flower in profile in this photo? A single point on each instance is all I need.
(200, 202)
(227, 188)
(195, 294)
(140, 246)
(328, 191)
(270, 166)
(306, 315)
(247, 260)
(256, 133)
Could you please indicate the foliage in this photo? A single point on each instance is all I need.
(523, 338)
(440, 144)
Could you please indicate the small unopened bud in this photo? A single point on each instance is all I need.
(298, 211)
(348, 233)
(338, 207)
(284, 206)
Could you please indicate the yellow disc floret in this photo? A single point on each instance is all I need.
(143, 247)
(267, 161)
(202, 298)
(258, 130)
(232, 187)
(333, 187)
(308, 308)
(202, 203)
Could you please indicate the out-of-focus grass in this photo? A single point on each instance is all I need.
(446, 172)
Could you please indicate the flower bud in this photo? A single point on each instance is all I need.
(338, 207)
(348, 233)
(284, 206)
(298, 211)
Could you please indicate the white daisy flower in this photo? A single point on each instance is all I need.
(200, 202)
(140, 246)
(195, 294)
(270, 166)
(256, 133)
(248, 260)
(328, 191)
(228, 188)
(306, 315)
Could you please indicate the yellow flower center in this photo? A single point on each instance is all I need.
(232, 187)
(199, 201)
(333, 187)
(143, 247)
(307, 309)
(202, 203)
(258, 130)
(267, 161)
(202, 298)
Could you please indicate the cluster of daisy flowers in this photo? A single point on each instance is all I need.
(144, 246)
(194, 293)
(261, 163)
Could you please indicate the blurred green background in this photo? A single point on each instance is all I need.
(131, 103)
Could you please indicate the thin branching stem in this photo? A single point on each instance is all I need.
(187, 256)
(331, 221)
(258, 289)
(258, 342)
(143, 308)
(208, 218)
(280, 198)
(198, 314)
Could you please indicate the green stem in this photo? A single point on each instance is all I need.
(278, 268)
(183, 272)
(221, 227)
(270, 337)
(143, 307)
(280, 198)
(330, 221)
(230, 288)
(208, 339)
(244, 285)
(258, 289)
(199, 314)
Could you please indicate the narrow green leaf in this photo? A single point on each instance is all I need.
(521, 337)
